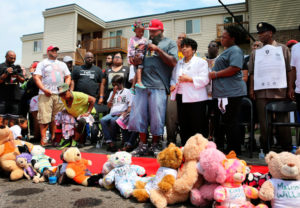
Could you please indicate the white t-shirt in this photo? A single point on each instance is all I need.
(121, 101)
(286, 193)
(16, 130)
(295, 61)
(34, 104)
(53, 73)
(160, 174)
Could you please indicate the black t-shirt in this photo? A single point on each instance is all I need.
(87, 80)
(10, 89)
(109, 74)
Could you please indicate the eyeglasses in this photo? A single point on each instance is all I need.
(180, 38)
(213, 46)
(118, 57)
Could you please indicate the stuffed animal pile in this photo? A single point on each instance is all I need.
(198, 172)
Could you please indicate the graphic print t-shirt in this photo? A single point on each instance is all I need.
(53, 73)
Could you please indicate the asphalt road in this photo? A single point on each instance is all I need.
(24, 193)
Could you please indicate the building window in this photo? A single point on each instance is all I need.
(115, 42)
(192, 26)
(231, 20)
(37, 46)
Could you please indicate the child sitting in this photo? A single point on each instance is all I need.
(17, 125)
(119, 102)
(136, 51)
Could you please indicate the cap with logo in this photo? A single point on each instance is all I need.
(155, 24)
(264, 26)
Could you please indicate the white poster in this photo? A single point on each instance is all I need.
(269, 68)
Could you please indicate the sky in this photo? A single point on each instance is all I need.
(19, 17)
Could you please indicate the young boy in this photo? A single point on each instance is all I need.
(17, 125)
(119, 102)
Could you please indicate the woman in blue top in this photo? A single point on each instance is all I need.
(228, 87)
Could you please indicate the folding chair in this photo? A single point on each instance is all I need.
(279, 107)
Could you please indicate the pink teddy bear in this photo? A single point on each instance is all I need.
(211, 168)
(232, 194)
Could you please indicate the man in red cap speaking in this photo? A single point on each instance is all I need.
(48, 75)
(149, 105)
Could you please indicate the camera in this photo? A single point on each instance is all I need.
(16, 70)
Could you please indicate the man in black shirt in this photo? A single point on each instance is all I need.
(10, 77)
(87, 78)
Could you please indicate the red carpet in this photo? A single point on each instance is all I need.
(150, 164)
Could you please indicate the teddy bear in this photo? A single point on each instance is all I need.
(187, 176)
(210, 166)
(170, 160)
(77, 170)
(123, 174)
(42, 163)
(232, 193)
(9, 149)
(283, 189)
(24, 161)
(61, 175)
(106, 168)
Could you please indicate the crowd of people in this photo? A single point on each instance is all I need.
(166, 87)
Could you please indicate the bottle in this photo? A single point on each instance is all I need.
(261, 155)
(294, 149)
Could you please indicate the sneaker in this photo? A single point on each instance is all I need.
(79, 145)
(45, 143)
(141, 150)
(64, 144)
(155, 149)
(88, 141)
(127, 148)
(141, 86)
(61, 141)
(111, 147)
(132, 90)
(73, 143)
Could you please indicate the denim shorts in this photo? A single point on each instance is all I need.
(148, 106)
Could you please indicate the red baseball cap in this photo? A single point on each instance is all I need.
(155, 24)
(34, 65)
(291, 42)
(50, 48)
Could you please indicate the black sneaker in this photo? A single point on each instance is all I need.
(155, 149)
(111, 147)
(88, 141)
(141, 150)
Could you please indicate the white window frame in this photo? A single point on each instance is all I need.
(39, 47)
(233, 18)
(193, 32)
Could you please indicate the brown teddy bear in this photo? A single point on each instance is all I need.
(283, 189)
(77, 168)
(187, 177)
(170, 160)
(8, 152)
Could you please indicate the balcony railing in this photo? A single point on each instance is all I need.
(106, 45)
(220, 28)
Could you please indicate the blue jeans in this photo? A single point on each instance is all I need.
(149, 105)
(110, 129)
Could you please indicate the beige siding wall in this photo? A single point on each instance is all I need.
(283, 14)
(28, 56)
(60, 31)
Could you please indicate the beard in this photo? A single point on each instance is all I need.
(155, 40)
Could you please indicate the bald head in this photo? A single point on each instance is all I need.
(89, 58)
(10, 57)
